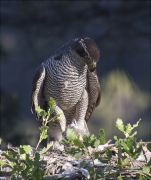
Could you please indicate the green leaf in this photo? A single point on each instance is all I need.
(96, 155)
(137, 152)
(78, 154)
(37, 158)
(40, 111)
(43, 128)
(142, 177)
(96, 143)
(82, 164)
(92, 140)
(119, 178)
(70, 134)
(78, 143)
(13, 177)
(23, 156)
(38, 174)
(65, 142)
(45, 149)
(126, 161)
(11, 155)
(128, 129)
(43, 134)
(134, 134)
(75, 152)
(25, 149)
(103, 159)
(146, 169)
(115, 138)
(28, 161)
(102, 136)
(136, 125)
(85, 152)
(2, 163)
(55, 118)
(91, 172)
(86, 140)
(109, 153)
(100, 173)
(37, 162)
(130, 146)
(51, 104)
(119, 124)
(149, 146)
(149, 162)
(12, 164)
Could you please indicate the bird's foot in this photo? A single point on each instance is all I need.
(81, 131)
(58, 146)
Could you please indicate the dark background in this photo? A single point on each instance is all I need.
(32, 30)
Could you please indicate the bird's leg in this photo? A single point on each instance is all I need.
(57, 127)
(81, 108)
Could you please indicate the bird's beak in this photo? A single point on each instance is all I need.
(92, 66)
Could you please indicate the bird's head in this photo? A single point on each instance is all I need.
(89, 52)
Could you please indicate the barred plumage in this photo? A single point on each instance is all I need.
(69, 76)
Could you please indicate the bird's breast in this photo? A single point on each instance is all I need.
(65, 85)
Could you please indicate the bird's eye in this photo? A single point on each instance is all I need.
(86, 56)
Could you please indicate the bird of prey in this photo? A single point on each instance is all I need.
(69, 76)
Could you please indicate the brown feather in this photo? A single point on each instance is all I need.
(93, 101)
(37, 94)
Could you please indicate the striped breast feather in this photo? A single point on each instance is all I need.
(37, 94)
(94, 93)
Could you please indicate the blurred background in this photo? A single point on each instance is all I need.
(32, 30)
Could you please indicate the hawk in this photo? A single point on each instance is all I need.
(69, 76)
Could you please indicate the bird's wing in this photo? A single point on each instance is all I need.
(94, 93)
(37, 95)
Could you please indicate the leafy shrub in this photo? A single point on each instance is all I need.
(26, 163)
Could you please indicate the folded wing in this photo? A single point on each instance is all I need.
(94, 93)
(37, 95)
